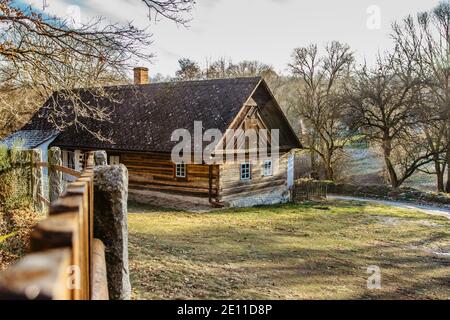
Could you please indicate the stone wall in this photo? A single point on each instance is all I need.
(276, 196)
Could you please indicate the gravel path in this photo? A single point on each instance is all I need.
(430, 210)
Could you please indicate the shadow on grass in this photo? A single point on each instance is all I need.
(266, 274)
(145, 208)
(307, 251)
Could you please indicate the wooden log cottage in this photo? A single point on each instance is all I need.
(138, 134)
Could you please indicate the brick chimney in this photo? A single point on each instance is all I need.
(141, 76)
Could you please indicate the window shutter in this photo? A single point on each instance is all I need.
(78, 160)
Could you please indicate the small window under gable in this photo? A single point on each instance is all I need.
(246, 171)
(268, 168)
(181, 170)
(114, 160)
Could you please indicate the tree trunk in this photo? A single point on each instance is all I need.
(393, 178)
(313, 161)
(447, 188)
(445, 167)
(314, 167)
(329, 172)
(439, 176)
(447, 106)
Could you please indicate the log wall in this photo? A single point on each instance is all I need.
(156, 172)
(232, 187)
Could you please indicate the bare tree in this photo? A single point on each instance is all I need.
(32, 81)
(223, 68)
(248, 68)
(425, 40)
(16, 105)
(319, 102)
(189, 70)
(41, 54)
(386, 102)
(434, 127)
(218, 69)
(174, 10)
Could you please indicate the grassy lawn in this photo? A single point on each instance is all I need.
(306, 251)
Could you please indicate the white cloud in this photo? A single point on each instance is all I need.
(266, 30)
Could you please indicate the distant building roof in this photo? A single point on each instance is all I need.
(29, 139)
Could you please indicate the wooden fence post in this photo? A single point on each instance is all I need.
(38, 276)
(81, 188)
(62, 264)
(74, 201)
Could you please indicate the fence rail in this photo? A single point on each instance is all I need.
(62, 264)
(45, 182)
(28, 166)
(69, 171)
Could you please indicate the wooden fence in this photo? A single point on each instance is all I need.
(68, 171)
(310, 190)
(66, 262)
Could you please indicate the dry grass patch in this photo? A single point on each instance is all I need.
(305, 251)
(15, 228)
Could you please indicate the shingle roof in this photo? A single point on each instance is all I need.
(144, 117)
(29, 139)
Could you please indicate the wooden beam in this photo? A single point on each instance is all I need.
(44, 200)
(38, 276)
(54, 233)
(210, 183)
(68, 171)
(41, 165)
(99, 285)
(88, 177)
(79, 191)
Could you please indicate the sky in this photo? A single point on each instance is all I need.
(264, 30)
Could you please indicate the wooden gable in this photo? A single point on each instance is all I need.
(261, 111)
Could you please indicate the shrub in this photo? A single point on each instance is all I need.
(15, 177)
(16, 214)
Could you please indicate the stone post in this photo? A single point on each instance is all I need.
(55, 177)
(111, 226)
(37, 185)
(100, 158)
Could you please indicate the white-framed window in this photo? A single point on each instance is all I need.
(181, 170)
(246, 171)
(114, 160)
(268, 168)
